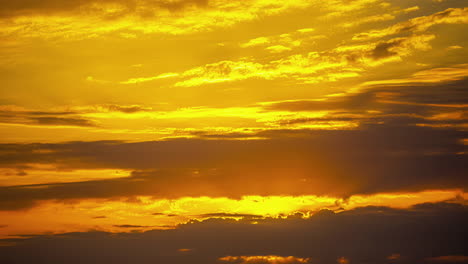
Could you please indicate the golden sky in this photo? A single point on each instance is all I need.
(139, 117)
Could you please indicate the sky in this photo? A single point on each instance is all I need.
(235, 132)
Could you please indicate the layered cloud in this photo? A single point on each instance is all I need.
(11, 115)
(410, 136)
(369, 234)
(385, 158)
(427, 97)
(77, 19)
(344, 61)
(142, 213)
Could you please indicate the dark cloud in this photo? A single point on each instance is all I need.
(127, 109)
(44, 118)
(163, 214)
(60, 121)
(99, 217)
(43, 113)
(395, 48)
(448, 259)
(365, 235)
(385, 49)
(131, 226)
(389, 152)
(157, 214)
(406, 104)
(377, 158)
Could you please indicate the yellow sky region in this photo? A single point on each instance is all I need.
(144, 213)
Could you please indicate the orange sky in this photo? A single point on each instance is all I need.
(135, 115)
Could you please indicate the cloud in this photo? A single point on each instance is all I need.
(55, 20)
(342, 260)
(272, 259)
(313, 67)
(379, 158)
(39, 118)
(368, 234)
(400, 46)
(448, 259)
(59, 20)
(60, 121)
(77, 116)
(147, 79)
(284, 42)
(410, 138)
(100, 217)
(126, 109)
(255, 42)
(421, 97)
(47, 7)
(395, 256)
(434, 75)
(411, 9)
(454, 47)
(130, 226)
(419, 24)
(228, 215)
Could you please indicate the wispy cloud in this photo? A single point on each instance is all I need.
(419, 24)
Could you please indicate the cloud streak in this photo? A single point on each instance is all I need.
(419, 24)
(263, 260)
(324, 238)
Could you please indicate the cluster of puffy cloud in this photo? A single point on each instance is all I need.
(313, 67)
(344, 61)
(425, 233)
